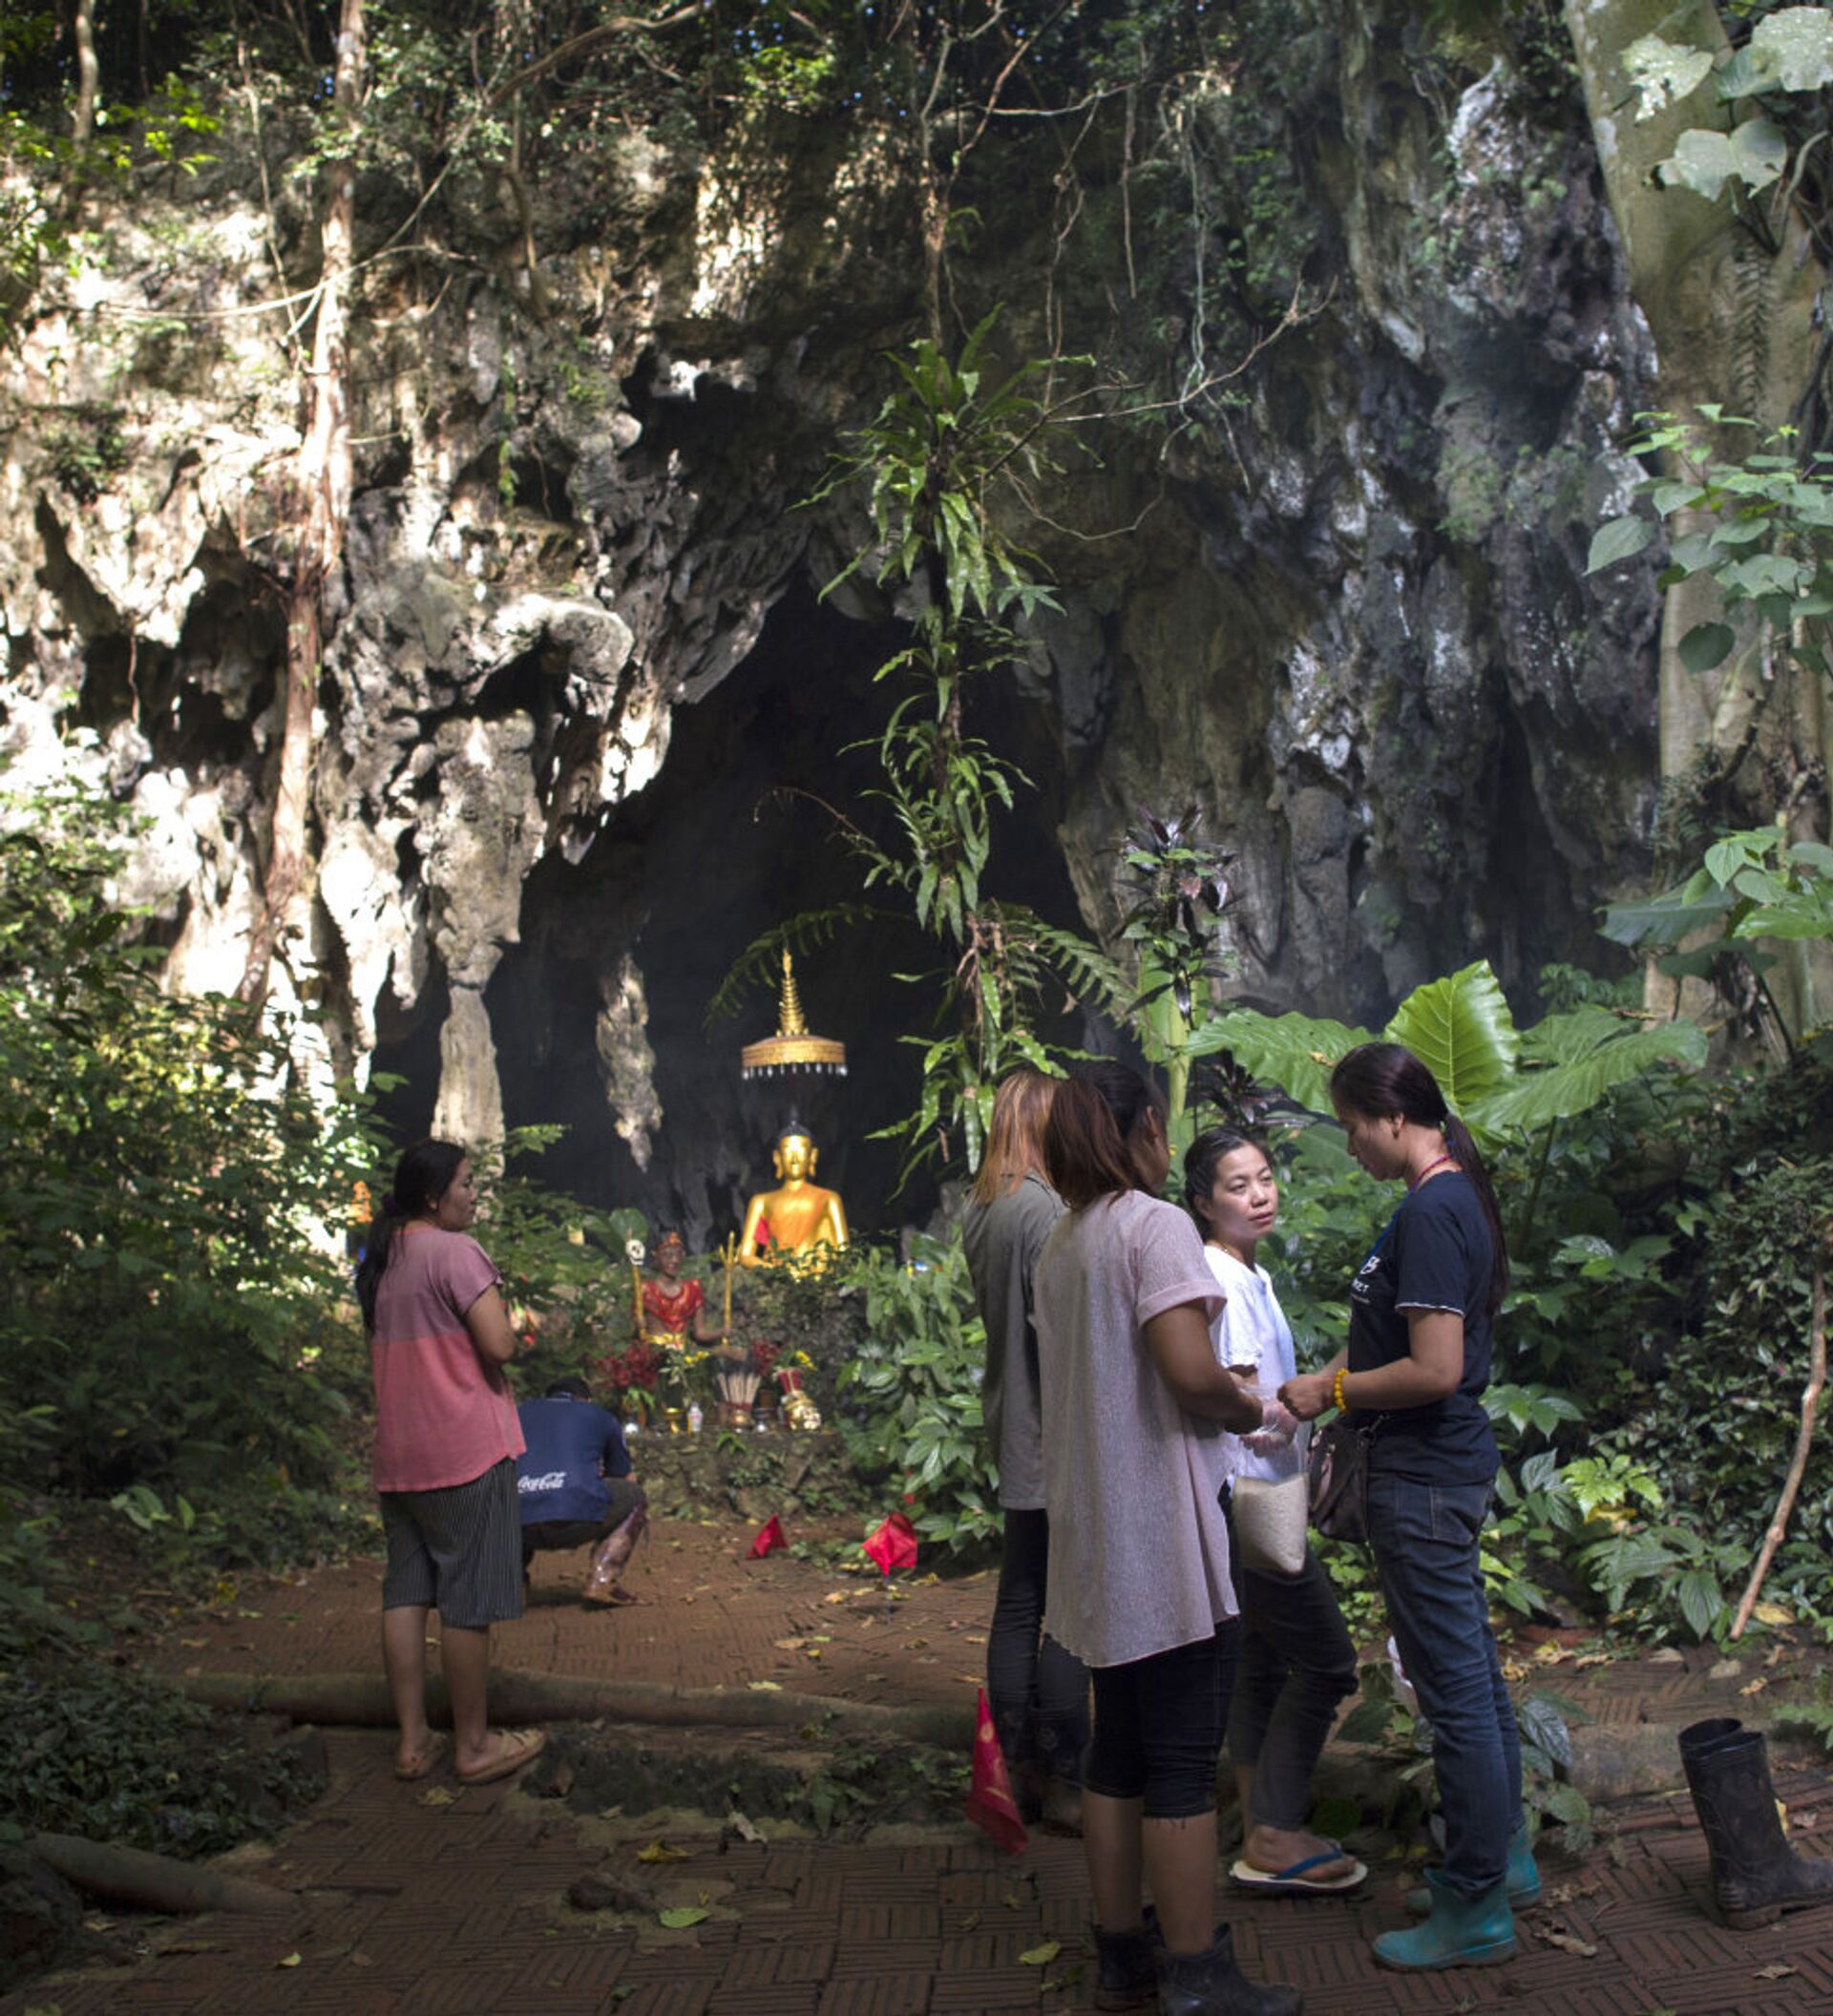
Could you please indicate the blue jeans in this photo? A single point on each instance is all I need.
(1425, 1538)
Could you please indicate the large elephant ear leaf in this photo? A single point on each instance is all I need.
(1294, 1051)
(1461, 1029)
(1593, 1061)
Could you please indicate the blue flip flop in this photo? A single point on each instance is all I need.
(1296, 1882)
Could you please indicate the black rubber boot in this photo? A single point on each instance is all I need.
(1756, 1875)
(1211, 1984)
(1128, 1978)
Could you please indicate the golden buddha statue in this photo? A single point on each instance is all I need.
(798, 1222)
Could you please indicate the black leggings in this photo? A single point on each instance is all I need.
(1038, 1693)
(1159, 1724)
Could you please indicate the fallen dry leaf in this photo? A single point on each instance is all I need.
(1550, 1653)
(788, 1645)
(765, 1687)
(1777, 1970)
(292, 1960)
(659, 1850)
(970, 1921)
(1041, 1956)
(1558, 1936)
(1755, 1687)
(437, 1796)
(916, 1645)
(680, 1916)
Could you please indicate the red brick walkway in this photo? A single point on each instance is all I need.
(419, 1899)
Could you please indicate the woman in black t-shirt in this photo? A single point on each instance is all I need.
(1418, 1360)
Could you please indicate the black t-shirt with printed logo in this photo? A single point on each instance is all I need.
(1437, 1253)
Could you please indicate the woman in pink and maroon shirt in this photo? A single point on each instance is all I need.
(446, 1443)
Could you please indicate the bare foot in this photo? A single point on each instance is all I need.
(1277, 1848)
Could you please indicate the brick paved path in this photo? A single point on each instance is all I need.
(456, 1908)
(419, 1899)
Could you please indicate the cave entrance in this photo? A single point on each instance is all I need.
(729, 840)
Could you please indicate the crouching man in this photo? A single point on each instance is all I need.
(575, 1489)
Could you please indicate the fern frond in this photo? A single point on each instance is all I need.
(761, 962)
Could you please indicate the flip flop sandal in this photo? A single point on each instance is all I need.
(520, 1746)
(1296, 1882)
(422, 1766)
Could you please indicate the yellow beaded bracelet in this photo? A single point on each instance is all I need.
(1337, 1399)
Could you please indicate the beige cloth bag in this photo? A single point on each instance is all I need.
(1272, 1520)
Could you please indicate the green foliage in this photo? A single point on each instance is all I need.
(918, 1378)
(944, 450)
(172, 1197)
(1814, 1718)
(101, 1751)
(1769, 550)
(87, 450)
(1383, 1717)
(1789, 51)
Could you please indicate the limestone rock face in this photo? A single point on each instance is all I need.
(575, 643)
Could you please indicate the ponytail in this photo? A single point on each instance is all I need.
(1087, 1140)
(1464, 1152)
(422, 1176)
(1380, 1079)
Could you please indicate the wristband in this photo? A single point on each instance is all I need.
(1336, 1399)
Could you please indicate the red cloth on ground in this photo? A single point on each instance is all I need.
(990, 1804)
(894, 1546)
(769, 1536)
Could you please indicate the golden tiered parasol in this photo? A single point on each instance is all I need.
(792, 1048)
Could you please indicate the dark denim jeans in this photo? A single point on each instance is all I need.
(1037, 1693)
(1296, 1665)
(1425, 1538)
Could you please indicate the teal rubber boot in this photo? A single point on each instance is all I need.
(1523, 1878)
(1463, 1931)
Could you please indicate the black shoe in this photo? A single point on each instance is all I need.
(1129, 1976)
(1756, 1875)
(1211, 1984)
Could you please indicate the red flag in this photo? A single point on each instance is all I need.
(894, 1546)
(769, 1536)
(990, 1804)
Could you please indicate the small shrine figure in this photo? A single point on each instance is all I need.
(791, 1224)
(671, 1313)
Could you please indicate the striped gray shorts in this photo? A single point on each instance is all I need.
(456, 1550)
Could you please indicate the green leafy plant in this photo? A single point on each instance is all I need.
(917, 1379)
(172, 1205)
(949, 444)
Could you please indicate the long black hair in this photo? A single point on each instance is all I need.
(1087, 1140)
(1201, 1161)
(422, 1176)
(1380, 1079)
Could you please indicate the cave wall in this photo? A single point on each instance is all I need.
(1338, 599)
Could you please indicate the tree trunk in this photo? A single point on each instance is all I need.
(1733, 322)
(321, 498)
(82, 29)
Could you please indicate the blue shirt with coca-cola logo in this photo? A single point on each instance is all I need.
(572, 1446)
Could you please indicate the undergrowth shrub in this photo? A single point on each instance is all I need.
(113, 1755)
